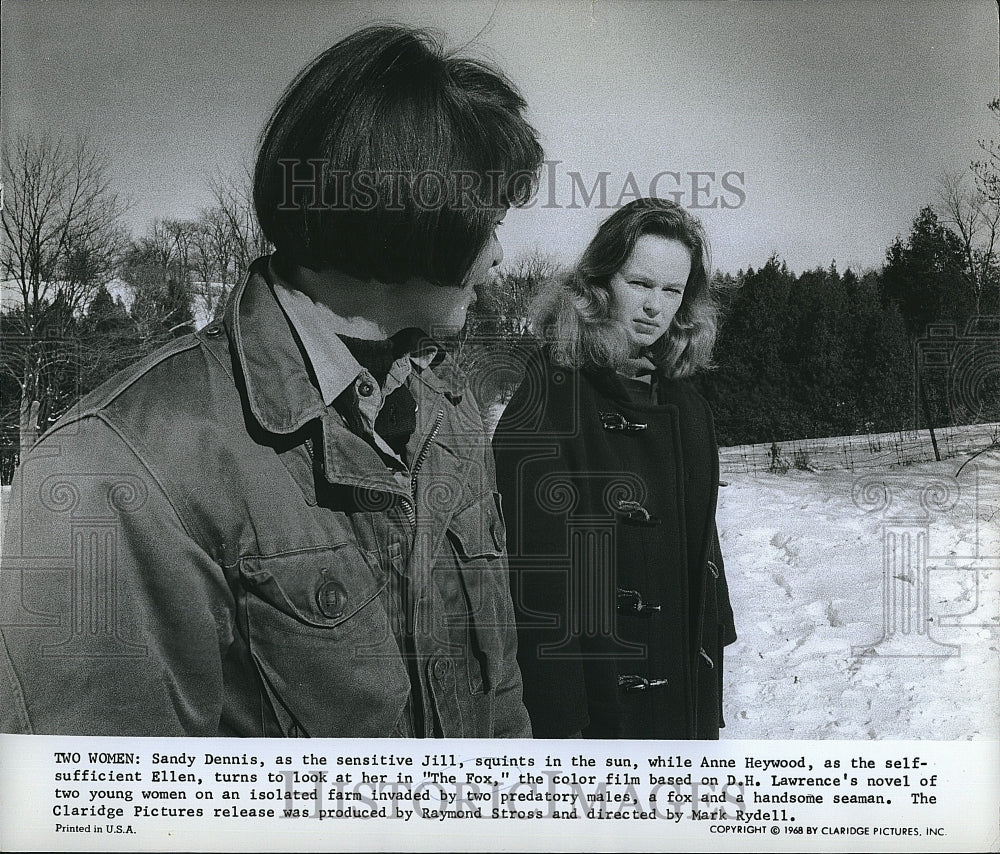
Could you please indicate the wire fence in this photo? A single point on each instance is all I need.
(867, 451)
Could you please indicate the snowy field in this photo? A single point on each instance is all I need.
(826, 648)
(805, 556)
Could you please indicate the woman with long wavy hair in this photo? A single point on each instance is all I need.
(608, 469)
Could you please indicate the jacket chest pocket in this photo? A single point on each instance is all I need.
(478, 540)
(319, 634)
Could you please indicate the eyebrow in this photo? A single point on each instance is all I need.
(639, 277)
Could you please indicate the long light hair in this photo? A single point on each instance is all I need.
(572, 312)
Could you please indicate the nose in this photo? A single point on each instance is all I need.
(651, 305)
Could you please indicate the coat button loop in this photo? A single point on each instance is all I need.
(618, 423)
(712, 568)
(630, 683)
(635, 513)
(332, 599)
(707, 658)
(631, 602)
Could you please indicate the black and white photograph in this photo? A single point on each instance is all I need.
(563, 382)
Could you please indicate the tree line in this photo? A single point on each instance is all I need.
(912, 345)
(84, 298)
(824, 353)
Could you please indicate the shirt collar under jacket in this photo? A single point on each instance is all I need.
(333, 364)
(267, 350)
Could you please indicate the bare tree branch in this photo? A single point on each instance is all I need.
(60, 241)
(974, 216)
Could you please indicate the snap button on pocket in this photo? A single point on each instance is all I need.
(442, 668)
(365, 388)
(332, 599)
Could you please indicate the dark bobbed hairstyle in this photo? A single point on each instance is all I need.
(572, 313)
(387, 159)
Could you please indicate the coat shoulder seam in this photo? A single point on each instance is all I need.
(135, 372)
(117, 431)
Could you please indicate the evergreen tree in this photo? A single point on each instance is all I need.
(749, 390)
(924, 276)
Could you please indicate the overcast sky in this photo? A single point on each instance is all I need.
(833, 119)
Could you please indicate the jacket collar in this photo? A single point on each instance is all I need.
(280, 391)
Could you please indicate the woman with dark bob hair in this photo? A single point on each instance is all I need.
(306, 540)
(609, 472)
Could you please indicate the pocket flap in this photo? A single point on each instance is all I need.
(321, 587)
(478, 529)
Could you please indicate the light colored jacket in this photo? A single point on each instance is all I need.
(203, 548)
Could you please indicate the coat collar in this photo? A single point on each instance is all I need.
(611, 384)
(280, 391)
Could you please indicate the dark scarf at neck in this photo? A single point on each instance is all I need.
(397, 419)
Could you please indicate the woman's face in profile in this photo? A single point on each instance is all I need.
(649, 288)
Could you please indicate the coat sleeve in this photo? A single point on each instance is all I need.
(727, 625)
(548, 652)
(727, 621)
(112, 619)
(511, 718)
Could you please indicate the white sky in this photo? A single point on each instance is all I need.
(840, 115)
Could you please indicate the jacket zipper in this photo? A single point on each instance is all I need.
(408, 505)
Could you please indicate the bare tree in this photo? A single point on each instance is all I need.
(159, 268)
(973, 214)
(492, 346)
(180, 235)
(987, 170)
(516, 286)
(62, 237)
(224, 240)
(213, 260)
(238, 238)
(234, 199)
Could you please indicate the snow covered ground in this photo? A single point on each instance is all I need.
(805, 555)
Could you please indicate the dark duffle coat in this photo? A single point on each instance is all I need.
(616, 574)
